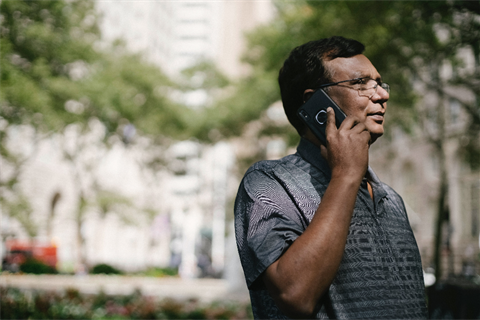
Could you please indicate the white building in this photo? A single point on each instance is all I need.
(175, 35)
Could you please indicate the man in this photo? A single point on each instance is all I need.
(318, 234)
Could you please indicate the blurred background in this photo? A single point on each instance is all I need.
(126, 126)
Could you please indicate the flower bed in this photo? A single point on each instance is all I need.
(34, 304)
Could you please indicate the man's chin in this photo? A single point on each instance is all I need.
(374, 137)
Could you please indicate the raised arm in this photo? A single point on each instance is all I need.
(300, 277)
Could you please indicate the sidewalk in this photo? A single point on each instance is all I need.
(205, 290)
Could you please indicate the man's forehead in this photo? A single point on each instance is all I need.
(357, 66)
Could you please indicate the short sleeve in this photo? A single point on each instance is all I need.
(267, 222)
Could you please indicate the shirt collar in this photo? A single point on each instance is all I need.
(311, 153)
(377, 186)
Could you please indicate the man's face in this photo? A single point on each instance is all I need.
(350, 101)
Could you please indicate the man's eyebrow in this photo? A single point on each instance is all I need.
(377, 79)
(361, 75)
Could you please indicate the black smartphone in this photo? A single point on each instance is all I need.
(314, 113)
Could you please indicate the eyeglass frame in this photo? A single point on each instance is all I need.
(382, 85)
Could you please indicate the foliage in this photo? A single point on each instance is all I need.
(54, 73)
(160, 272)
(40, 40)
(20, 304)
(204, 75)
(34, 266)
(401, 37)
(108, 201)
(21, 209)
(104, 268)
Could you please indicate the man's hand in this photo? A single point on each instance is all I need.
(347, 147)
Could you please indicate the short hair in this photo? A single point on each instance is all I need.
(304, 69)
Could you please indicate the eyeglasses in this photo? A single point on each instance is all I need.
(366, 87)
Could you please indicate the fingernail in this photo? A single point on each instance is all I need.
(329, 109)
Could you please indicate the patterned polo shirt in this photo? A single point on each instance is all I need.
(380, 275)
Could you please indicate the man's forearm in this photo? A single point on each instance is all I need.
(299, 278)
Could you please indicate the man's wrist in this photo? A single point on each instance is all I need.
(347, 178)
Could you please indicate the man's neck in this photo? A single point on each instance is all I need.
(323, 151)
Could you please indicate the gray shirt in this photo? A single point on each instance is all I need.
(380, 275)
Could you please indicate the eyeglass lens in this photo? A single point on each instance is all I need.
(370, 88)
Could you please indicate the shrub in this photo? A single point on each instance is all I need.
(105, 269)
(36, 267)
(160, 272)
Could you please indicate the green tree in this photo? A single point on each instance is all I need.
(57, 77)
(54, 72)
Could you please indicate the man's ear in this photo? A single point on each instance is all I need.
(307, 94)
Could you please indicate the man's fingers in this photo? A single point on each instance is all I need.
(331, 126)
(366, 136)
(359, 127)
(350, 122)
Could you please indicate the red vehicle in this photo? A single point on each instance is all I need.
(18, 251)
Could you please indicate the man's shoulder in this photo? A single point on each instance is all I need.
(391, 193)
(386, 190)
(270, 166)
(291, 175)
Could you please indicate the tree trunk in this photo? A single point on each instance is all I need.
(442, 213)
(81, 261)
(443, 201)
(56, 197)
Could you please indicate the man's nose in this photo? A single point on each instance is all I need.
(381, 95)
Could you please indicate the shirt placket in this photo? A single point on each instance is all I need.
(385, 254)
